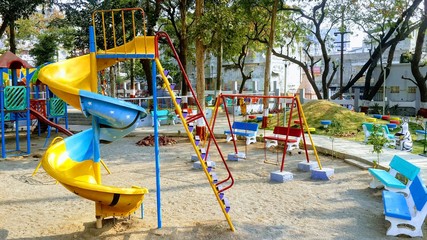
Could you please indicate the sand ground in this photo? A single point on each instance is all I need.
(341, 208)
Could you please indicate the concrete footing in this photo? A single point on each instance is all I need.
(198, 165)
(194, 157)
(322, 174)
(307, 166)
(236, 156)
(281, 177)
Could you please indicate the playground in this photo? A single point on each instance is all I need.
(343, 208)
(117, 190)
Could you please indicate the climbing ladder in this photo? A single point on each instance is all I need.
(219, 186)
(142, 50)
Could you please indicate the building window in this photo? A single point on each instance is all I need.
(412, 89)
(394, 89)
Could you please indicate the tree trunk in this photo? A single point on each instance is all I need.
(146, 65)
(12, 41)
(3, 26)
(183, 46)
(268, 63)
(420, 79)
(200, 59)
(132, 76)
(218, 84)
(112, 82)
(200, 66)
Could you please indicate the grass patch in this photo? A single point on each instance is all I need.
(345, 123)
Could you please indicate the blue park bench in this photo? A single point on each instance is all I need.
(367, 130)
(244, 129)
(389, 180)
(163, 115)
(406, 215)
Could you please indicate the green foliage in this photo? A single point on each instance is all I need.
(376, 109)
(336, 128)
(378, 141)
(45, 49)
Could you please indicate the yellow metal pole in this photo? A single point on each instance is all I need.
(134, 30)
(124, 31)
(104, 31)
(114, 29)
(308, 131)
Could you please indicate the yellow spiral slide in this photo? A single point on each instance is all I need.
(75, 161)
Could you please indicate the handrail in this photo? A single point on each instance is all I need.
(113, 25)
(164, 35)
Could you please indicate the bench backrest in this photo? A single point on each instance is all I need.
(418, 193)
(405, 168)
(245, 126)
(369, 127)
(163, 112)
(294, 132)
(385, 129)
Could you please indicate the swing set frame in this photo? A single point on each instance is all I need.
(295, 102)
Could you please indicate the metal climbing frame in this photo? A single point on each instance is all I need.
(14, 106)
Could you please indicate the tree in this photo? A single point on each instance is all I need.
(389, 23)
(249, 34)
(11, 11)
(79, 14)
(152, 13)
(315, 22)
(177, 12)
(420, 78)
(200, 57)
(45, 49)
(268, 63)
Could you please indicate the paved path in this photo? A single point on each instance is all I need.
(363, 152)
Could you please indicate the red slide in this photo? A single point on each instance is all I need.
(42, 118)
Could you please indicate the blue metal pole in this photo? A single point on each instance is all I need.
(156, 145)
(3, 138)
(28, 116)
(66, 115)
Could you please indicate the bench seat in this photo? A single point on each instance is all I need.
(386, 179)
(281, 139)
(280, 134)
(395, 205)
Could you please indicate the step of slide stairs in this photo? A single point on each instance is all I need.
(220, 194)
(226, 204)
(214, 177)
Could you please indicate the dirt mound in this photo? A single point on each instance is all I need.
(149, 141)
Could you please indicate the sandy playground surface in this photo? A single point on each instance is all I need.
(342, 208)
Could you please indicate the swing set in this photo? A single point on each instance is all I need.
(283, 134)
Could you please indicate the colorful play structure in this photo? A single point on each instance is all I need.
(75, 161)
(22, 101)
